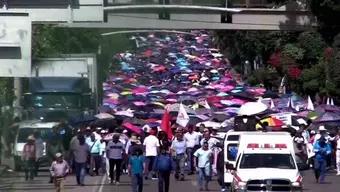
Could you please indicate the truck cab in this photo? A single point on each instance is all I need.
(266, 162)
(57, 96)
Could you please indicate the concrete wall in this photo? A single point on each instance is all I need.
(15, 33)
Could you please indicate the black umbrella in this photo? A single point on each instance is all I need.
(270, 94)
(243, 95)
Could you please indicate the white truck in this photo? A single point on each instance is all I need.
(65, 85)
(265, 162)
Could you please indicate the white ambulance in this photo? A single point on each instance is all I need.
(231, 144)
(265, 162)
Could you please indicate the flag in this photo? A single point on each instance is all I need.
(182, 117)
(165, 125)
(272, 106)
(310, 105)
(290, 103)
(206, 104)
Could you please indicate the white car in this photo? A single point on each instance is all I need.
(266, 162)
(25, 129)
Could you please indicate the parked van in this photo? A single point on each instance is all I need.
(265, 162)
(27, 128)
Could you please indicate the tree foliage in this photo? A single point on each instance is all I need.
(51, 41)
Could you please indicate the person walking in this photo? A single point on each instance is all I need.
(53, 147)
(337, 153)
(207, 138)
(59, 169)
(163, 166)
(28, 156)
(321, 149)
(114, 152)
(39, 151)
(178, 148)
(151, 144)
(103, 152)
(136, 166)
(80, 153)
(95, 157)
(203, 163)
(192, 139)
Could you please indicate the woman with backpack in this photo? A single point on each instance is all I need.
(163, 166)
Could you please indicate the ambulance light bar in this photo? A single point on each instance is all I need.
(266, 146)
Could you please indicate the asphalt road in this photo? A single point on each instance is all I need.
(15, 182)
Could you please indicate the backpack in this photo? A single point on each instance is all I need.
(163, 163)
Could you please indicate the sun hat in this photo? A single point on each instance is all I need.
(57, 155)
(322, 128)
(31, 137)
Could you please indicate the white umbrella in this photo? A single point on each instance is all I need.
(211, 124)
(104, 116)
(128, 113)
(252, 108)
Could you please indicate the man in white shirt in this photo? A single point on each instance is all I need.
(151, 145)
(192, 140)
(207, 138)
(178, 147)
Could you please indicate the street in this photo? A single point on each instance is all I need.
(16, 182)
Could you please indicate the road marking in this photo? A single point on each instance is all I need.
(102, 183)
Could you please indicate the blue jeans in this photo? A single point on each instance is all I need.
(320, 169)
(137, 182)
(203, 177)
(80, 169)
(180, 164)
(149, 160)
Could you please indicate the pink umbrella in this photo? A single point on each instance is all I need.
(139, 90)
(227, 88)
(111, 101)
(132, 127)
(139, 103)
(238, 101)
(108, 137)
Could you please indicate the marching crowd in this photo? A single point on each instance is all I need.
(154, 155)
(93, 151)
(320, 149)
